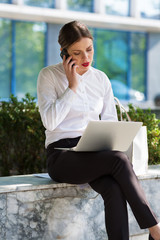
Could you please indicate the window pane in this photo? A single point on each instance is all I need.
(111, 51)
(5, 59)
(138, 49)
(80, 5)
(122, 58)
(40, 3)
(4, 1)
(112, 54)
(30, 39)
(118, 7)
(151, 9)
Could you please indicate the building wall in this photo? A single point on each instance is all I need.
(153, 65)
(100, 19)
(53, 47)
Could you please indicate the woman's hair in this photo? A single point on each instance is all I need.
(73, 32)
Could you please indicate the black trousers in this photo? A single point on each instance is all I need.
(109, 173)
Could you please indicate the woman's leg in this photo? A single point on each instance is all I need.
(154, 232)
(85, 167)
(116, 216)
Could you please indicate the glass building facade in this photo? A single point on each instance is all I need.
(40, 3)
(119, 7)
(35, 3)
(120, 54)
(80, 5)
(151, 9)
(5, 1)
(22, 47)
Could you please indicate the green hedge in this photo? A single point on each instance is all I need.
(22, 136)
(153, 130)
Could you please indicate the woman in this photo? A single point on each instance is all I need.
(69, 96)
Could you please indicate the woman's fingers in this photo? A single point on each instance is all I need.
(70, 67)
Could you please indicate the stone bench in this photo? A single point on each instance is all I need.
(34, 208)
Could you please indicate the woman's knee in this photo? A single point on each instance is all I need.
(122, 161)
(122, 157)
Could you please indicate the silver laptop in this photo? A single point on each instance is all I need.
(104, 135)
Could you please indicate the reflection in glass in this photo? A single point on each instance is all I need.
(151, 9)
(29, 46)
(121, 55)
(4, 1)
(118, 7)
(111, 49)
(5, 59)
(138, 58)
(80, 5)
(40, 3)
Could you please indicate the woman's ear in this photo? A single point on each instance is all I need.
(60, 49)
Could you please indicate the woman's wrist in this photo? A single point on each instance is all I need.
(73, 88)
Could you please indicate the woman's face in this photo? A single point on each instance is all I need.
(82, 51)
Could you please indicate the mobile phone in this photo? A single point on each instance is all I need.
(64, 52)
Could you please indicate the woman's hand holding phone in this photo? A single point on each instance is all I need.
(70, 70)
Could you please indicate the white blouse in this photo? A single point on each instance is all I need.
(64, 113)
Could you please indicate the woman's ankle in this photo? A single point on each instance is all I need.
(155, 231)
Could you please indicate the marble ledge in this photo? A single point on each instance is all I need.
(34, 208)
(31, 182)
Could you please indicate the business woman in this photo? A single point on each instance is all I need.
(70, 94)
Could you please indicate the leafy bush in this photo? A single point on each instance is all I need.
(21, 137)
(153, 130)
